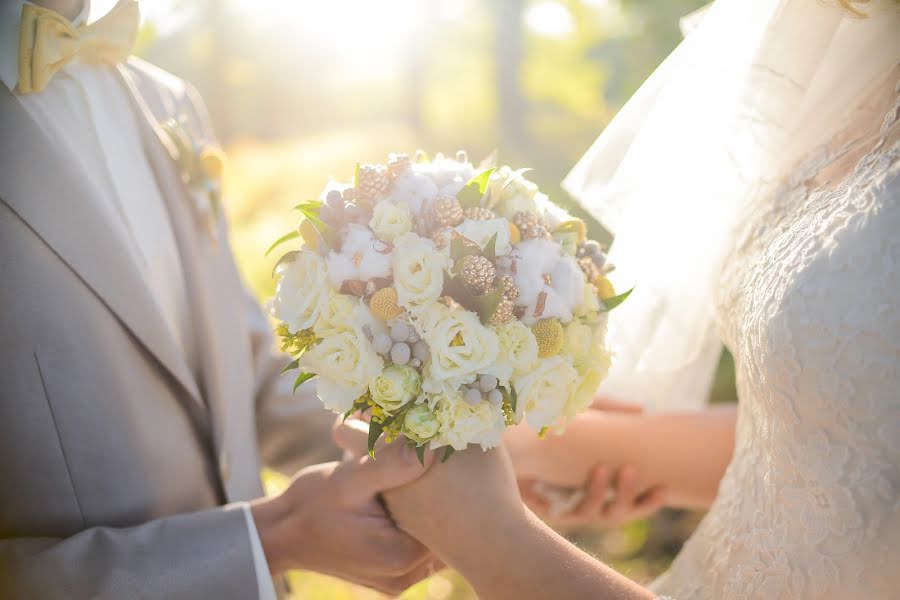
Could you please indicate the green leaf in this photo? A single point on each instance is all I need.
(482, 179)
(515, 175)
(375, 431)
(348, 413)
(325, 231)
(615, 301)
(484, 305)
(513, 398)
(420, 454)
(291, 366)
(293, 235)
(448, 452)
(288, 256)
(356, 176)
(303, 378)
(461, 247)
(472, 193)
(313, 206)
(490, 249)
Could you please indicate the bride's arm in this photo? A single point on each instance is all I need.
(519, 556)
(469, 513)
(685, 453)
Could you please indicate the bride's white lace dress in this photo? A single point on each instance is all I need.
(810, 308)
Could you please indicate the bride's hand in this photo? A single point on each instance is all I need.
(455, 501)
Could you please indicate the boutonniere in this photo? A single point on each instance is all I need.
(201, 166)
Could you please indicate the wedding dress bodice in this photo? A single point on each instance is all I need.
(810, 307)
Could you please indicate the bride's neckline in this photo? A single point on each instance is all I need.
(873, 125)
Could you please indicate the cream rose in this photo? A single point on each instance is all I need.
(461, 424)
(460, 345)
(579, 344)
(543, 392)
(345, 363)
(302, 291)
(336, 315)
(395, 387)
(481, 233)
(587, 385)
(517, 351)
(418, 271)
(390, 220)
(420, 423)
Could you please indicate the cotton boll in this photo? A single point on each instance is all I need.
(374, 264)
(414, 189)
(340, 269)
(568, 281)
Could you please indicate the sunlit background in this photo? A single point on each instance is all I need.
(300, 91)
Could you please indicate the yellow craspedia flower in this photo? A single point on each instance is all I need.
(212, 162)
(549, 336)
(605, 288)
(383, 304)
(515, 236)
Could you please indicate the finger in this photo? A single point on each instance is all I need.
(615, 405)
(352, 436)
(537, 503)
(649, 502)
(396, 465)
(625, 493)
(596, 494)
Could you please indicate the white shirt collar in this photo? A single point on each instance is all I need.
(10, 18)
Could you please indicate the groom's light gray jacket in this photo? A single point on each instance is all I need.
(115, 460)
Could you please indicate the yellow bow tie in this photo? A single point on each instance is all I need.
(48, 41)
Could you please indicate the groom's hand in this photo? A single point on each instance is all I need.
(330, 520)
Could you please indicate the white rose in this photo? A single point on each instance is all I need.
(579, 344)
(481, 233)
(390, 220)
(395, 387)
(345, 363)
(587, 384)
(420, 423)
(517, 351)
(543, 392)
(459, 344)
(336, 314)
(418, 271)
(302, 291)
(462, 424)
(590, 303)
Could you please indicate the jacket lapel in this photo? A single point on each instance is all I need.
(45, 189)
(214, 326)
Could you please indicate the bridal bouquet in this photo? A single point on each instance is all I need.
(449, 302)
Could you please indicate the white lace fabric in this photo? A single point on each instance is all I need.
(810, 307)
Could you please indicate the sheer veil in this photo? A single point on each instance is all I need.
(755, 86)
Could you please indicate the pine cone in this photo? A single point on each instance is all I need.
(373, 182)
(478, 274)
(508, 285)
(530, 226)
(442, 237)
(478, 213)
(398, 164)
(447, 212)
(503, 313)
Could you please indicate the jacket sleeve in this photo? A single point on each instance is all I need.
(205, 554)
